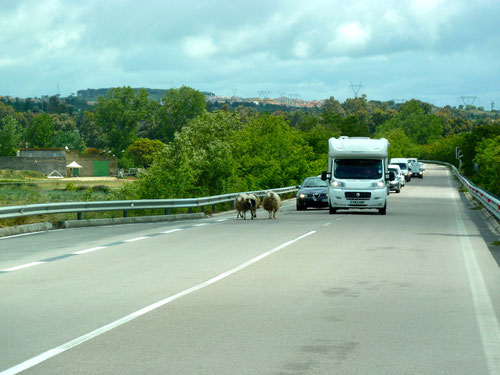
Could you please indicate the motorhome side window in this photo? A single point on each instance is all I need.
(366, 169)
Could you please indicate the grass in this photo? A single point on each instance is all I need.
(496, 243)
(19, 188)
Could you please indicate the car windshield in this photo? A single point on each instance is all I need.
(363, 169)
(402, 165)
(314, 182)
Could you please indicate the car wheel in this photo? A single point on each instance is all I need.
(332, 210)
(383, 211)
(398, 191)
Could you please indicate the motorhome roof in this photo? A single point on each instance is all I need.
(358, 147)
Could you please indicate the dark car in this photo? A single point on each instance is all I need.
(312, 193)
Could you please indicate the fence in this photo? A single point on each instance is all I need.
(10, 212)
(491, 202)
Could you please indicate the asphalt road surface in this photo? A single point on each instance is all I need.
(414, 292)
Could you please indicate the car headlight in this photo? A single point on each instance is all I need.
(302, 195)
(381, 184)
(335, 183)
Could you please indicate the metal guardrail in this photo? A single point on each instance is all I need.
(488, 200)
(11, 212)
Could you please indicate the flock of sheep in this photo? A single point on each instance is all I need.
(251, 202)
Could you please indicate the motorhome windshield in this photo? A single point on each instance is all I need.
(359, 169)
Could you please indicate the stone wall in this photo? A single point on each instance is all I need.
(44, 165)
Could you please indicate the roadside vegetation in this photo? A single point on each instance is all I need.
(189, 148)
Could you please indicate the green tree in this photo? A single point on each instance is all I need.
(270, 154)
(118, 115)
(143, 151)
(488, 162)
(9, 136)
(198, 162)
(178, 107)
(417, 121)
(40, 131)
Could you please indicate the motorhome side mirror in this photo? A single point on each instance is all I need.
(392, 176)
(323, 175)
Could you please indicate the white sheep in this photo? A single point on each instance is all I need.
(241, 206)
(253, 203)
(271, 203)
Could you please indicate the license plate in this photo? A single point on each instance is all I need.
(356, 202)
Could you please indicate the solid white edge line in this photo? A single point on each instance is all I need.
(22, 266)
(89, 250)
(136, 239)
(71, 344)
(485, 314)
(22, 234)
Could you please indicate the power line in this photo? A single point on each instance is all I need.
(356, 88)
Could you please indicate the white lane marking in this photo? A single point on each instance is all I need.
(485, 314)
(22, 234)
(340, 218)
(172, 231)
(108, 327)
(22, 266)
(89, 250)
(136, 239)
(200, 225)
(326, 224)
(220, 220)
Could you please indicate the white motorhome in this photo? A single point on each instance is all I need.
(357, 173)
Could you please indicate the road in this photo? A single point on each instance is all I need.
(414, 292)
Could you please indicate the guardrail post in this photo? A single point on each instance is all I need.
(167, 211)
(190, 210)
(213, 207)
(125, 213)
(78, 216)
(202, 208)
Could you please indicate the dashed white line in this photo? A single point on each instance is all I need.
(172, 231)
(32, 264)
(326, 224)
(71, 344)
(220, 220)
(89, 250)
(136, 239)
(200, 225)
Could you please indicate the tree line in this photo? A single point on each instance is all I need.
(191, 149)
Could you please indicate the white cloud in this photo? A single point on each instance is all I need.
(301, 50)
(199, 46)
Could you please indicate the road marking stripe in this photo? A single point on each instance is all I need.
(485, 314)
(172, 230)
(326, 224)
(23, 266)
(89, 250)
(22, 234)
(219, 220)
(200, 225)
(136, 239)
(108, 327)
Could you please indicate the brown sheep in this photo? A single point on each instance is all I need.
(253, 203)
(271, 203)
(240, 204)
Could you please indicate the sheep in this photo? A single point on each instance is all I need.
(241, 206)
(271, 203)
(253, 203)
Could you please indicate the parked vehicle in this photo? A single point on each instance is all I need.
(312, 193)
(357, 174)
(404, 165)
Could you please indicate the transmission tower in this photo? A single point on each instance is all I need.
(492, 105)
(468, 100)
(356, 88)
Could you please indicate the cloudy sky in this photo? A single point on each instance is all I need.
(432, 50)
